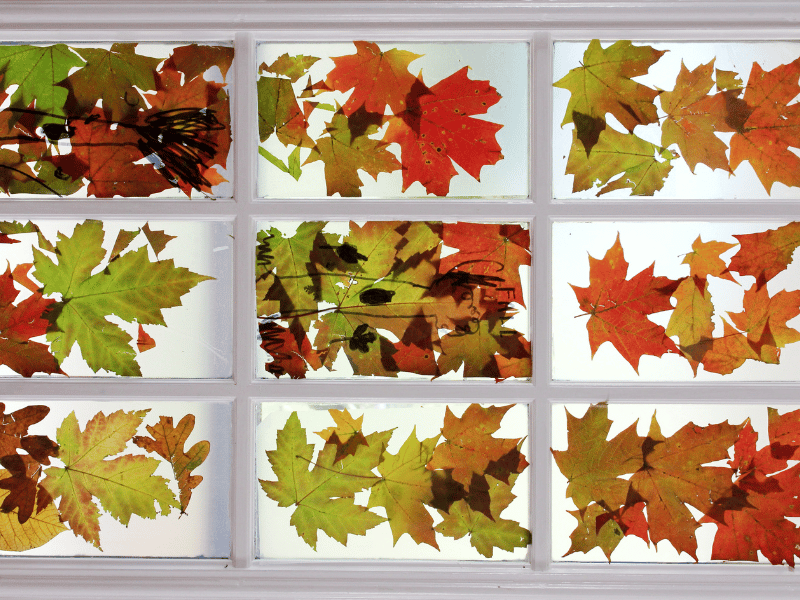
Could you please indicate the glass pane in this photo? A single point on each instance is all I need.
(399, 299)
(422, 481)
(724, 126)
(675, 482)
(676, 301)
(118, 119)
(129, 298)
(393, 120)
(128, 478)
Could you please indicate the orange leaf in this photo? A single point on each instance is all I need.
(144, 342)
(704, 259)
(765, 254)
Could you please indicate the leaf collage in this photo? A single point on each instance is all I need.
(668, 488)
(355, 483)
(618, 305)
(68, 297)
(70, 483)
(113, 121)
(393, 298)
(374, 113)
(628, 135)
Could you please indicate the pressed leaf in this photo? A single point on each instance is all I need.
(124, 485)
(765, 254)
(293, 67)
(157, 239)
(196, 59)
(691, 319)
(36, 531)
(279, 113)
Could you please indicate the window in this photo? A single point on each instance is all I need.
(535, 26)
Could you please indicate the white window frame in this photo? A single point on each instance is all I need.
(246, 22)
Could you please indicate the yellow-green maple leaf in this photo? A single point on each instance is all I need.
(323, 496)
(125, 485)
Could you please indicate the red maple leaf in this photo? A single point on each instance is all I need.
(378, 78)
(618, 308)
(491, 254)
(766, 253)
(753, 517)
(288, 355)
(18, 324)
(109, 155)
(437, 129)
(772, 127)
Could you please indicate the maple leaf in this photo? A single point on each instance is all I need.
(643, 166)
(293, 67)
(187, 129)
(728, 80)
(18, 324)
(603, 84)
(196, 59)
(477, 347)
(158, 239)
(752, 516)
(168, 442)
(377, 78)
(114, 76)
(144, 342)
(405, 487)
(674, 475)
(598, 528)
(469, 446)
(618, 308)
(721, 355)
(691, 319)
(491, 250)
(279, 113)
(693, 117)
(323, 496)
(765, 254)
(772, 127)
(486, 533)
(36, 531)
(289, 356)
(346, 436)
(109, 156)
(346, 150)
(131, 287)
(592, 464)
(704, 259)
(437, 129)
(38, 70)
(124, 238)
(124, 485)
(764, 317)
(14, 169)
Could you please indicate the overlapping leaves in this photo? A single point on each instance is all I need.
(703, 103)
(618, 308)
(78, 287)
(385, 297)
(643, 486)
(48, 487)
(321, 491)
(434, 126)
(115, 120)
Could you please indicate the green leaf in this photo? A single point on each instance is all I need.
(279, 113)
(14, 227)
(294, 164)
(37, 70)
(131, 287)
(273, 159)
(124, 485)
(124, 238)
(111, 75)
(293, 67)
(323, 496)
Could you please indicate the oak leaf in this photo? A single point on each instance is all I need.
(36, 531)
(377, 78)
(772, 127)
(323, 496)
(604, 84)
(168, 442)
(125, 485)
(618, 308)
(437, 128)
